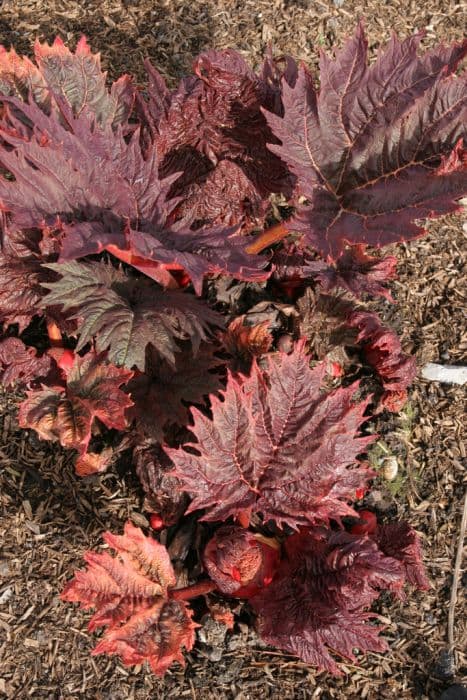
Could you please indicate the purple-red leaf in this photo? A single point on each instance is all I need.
(126, 314)
(19, 363)
(21, 275)
(107, 195)
(276, 445)
(400, 541)
(67, 413)
(316, 602)
(358, 273)
(383, 351)
(130, 593)
(161, 394)
(164, 495)
(211, 128)
(241, 562)
(377, 147)
(75, 77)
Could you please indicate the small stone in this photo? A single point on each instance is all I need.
(6, 595)
(390, 468)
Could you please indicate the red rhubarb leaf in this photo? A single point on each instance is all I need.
(377, 147)
(130, 593)
(126, 314)
(164, 495)
(162, 393)
(383, 351)
(67, 413)
(359, 273)
(78, 78)
(317, 601)
(94, 462)
(211, 128)
(156, 634)
(21, 275)
(247, 341)
(108, 194)
(400, 541)
(75, 77)
(278, 445)
(19, 363)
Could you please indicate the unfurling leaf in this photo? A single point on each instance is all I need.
(126, 314)
(240, 562)
(400, 541)
(164, 495)
(67, 413)
(276, 445)
(211, 129)
(317, 601)
(19, 363)
(358, 273)
(244, 341)
(383, 351)
(354, 271)
(130, 593)
(94, 462)
(377, 147)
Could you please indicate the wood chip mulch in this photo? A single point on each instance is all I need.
(49, 517)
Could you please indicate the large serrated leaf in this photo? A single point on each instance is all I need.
(125, 314)
(276, 445)
(377, 147)
(316, 603)
(130, 593)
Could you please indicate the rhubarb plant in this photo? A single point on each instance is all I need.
(190, 281)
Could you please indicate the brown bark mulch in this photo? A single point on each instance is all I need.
(49, 517)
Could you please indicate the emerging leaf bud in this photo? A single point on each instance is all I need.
(367, 524)
(240, 562)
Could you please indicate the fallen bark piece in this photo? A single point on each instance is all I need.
(444, 373)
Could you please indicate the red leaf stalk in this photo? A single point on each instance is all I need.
(193, 591)
(272, 235)
(54, 333)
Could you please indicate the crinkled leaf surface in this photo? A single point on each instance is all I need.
(240, 562)
(377, 147)
(20, 289)
(75, 77)
(211, 128)
(359, 273)
(67, 413)
(164, 495)
(333, 321)
(383, 351)
(162, 393)
(130, 593)
(21, 274)
(400, 541)
(19, 363)
(316, 602)
(276, 445)
(126, 314)
(354, 271)
(107, 195)
(245, 341)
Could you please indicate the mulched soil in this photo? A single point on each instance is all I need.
(49, 517)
